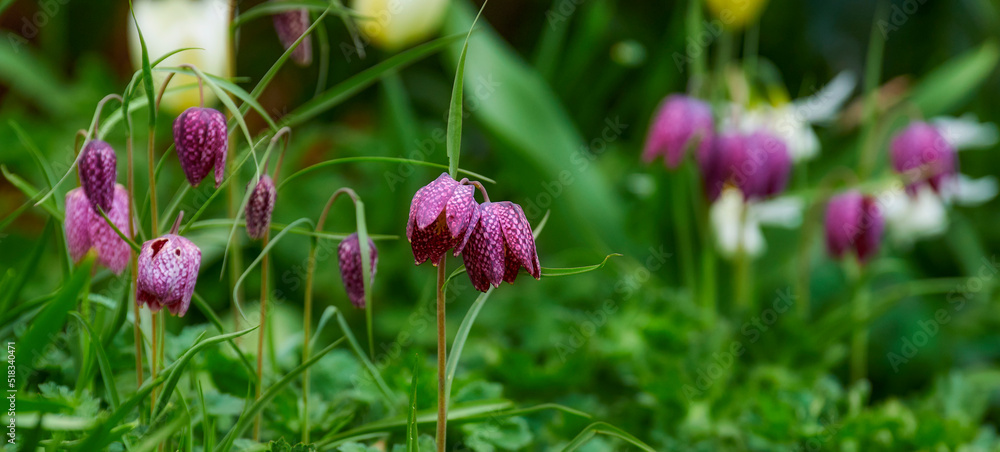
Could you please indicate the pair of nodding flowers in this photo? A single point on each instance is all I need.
(494, 238)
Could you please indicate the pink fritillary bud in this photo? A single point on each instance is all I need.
(290, 25)
(86, 229)
(98, 173)
(922, 154)
(440, 215)
(500, 244)
(715, 162)
(853, 221)
(200, 136)
(349, 259)
(168, 271)
(775, 163)
(259, 208)
(679, 122)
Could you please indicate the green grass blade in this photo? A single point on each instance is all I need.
(366, 271)
(225, 182)
(576, 270)
(411, 423)
(369, 366)
(605, 428)
(14, 289)
(135, 246)
(267, 249)
(40, 160)
(270, 8)
(46, 326)
(177, 367)
(332, 162)
(102, 361)
(247, 417)
(31, 192)
(207, 311)
(956, 80)
(453, 143)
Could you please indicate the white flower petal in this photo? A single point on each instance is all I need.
(974, 192)
(824, 105)
(911, 218)
(967, 132)
(785, 212)
(725, 216)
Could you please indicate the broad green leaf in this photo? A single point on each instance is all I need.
(576, 270)
(956, 80)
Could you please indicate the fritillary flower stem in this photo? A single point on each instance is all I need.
(307, 305)
(859, 314)
(742, 273)
(136, 325)
(100, 106)
(477, 184)
(442, 412)
(682, 229)
(201, 85)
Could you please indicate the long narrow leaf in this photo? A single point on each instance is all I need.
(453, 136)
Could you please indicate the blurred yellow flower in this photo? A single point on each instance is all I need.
(736, 13)
(395, 24)
(169, 25)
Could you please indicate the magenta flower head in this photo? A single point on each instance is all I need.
(853, 221)
(922, 154)
(98, 172)
(290, 25)
(767, 165)
(500, 244)
(86, 229)
(201, 141)
(441, 214)
(679, 122)
(349, 259)
(168, 271)
(260, 206)
(715, 160)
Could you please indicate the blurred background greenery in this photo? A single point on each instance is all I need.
(558, 100)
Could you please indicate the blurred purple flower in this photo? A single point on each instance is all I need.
(440, 217)
(98, 173)
(500, 244)
(259, 207)
(86, 229)
(349, 259)
(290, 25)
(758, 164)
(921, 153)
(853, 221)
(680, 121)
(168, 271)
(200, 136)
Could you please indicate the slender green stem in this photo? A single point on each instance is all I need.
(442, 411)
(261, 334)
(693, 29)
(859, 315)
(137, 327)
(873, 72)
(306, 324)
(742, 273)
(682, 229)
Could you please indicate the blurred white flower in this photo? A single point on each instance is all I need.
(169, 25)
(792, 121)
(395, 24)
(726, 217)
(925, 214)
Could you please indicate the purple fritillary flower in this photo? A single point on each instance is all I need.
(98, 173)
(441, 213)
(500, 244)
(168, 271)
(349, 259)
(853, 222)
(290, 25)
(260, 206)
(715, 162)
(922, 154)
(200, 136)
(86, 229)
(677, 123)
(776, 163)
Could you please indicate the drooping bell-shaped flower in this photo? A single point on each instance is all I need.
(98, 172)
(758, 164)
(714, 161)
(679, 122)
(259, 207)
(86, 229)
(500, 244)
(773, 164)
(168, 271)
(922, 154)
(853, 222)
(290, 25)
(201, 141)
(441, 214)
(349, 259)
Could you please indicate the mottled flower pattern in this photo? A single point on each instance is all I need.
(853, 222)
(259, 207)
(922, 154)
(290, 25)
(500, 244)
(86, 229)
(349, 259)
(168, 271)
(679, 122)
(98, 173)
(200, 136)
(440, 215)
